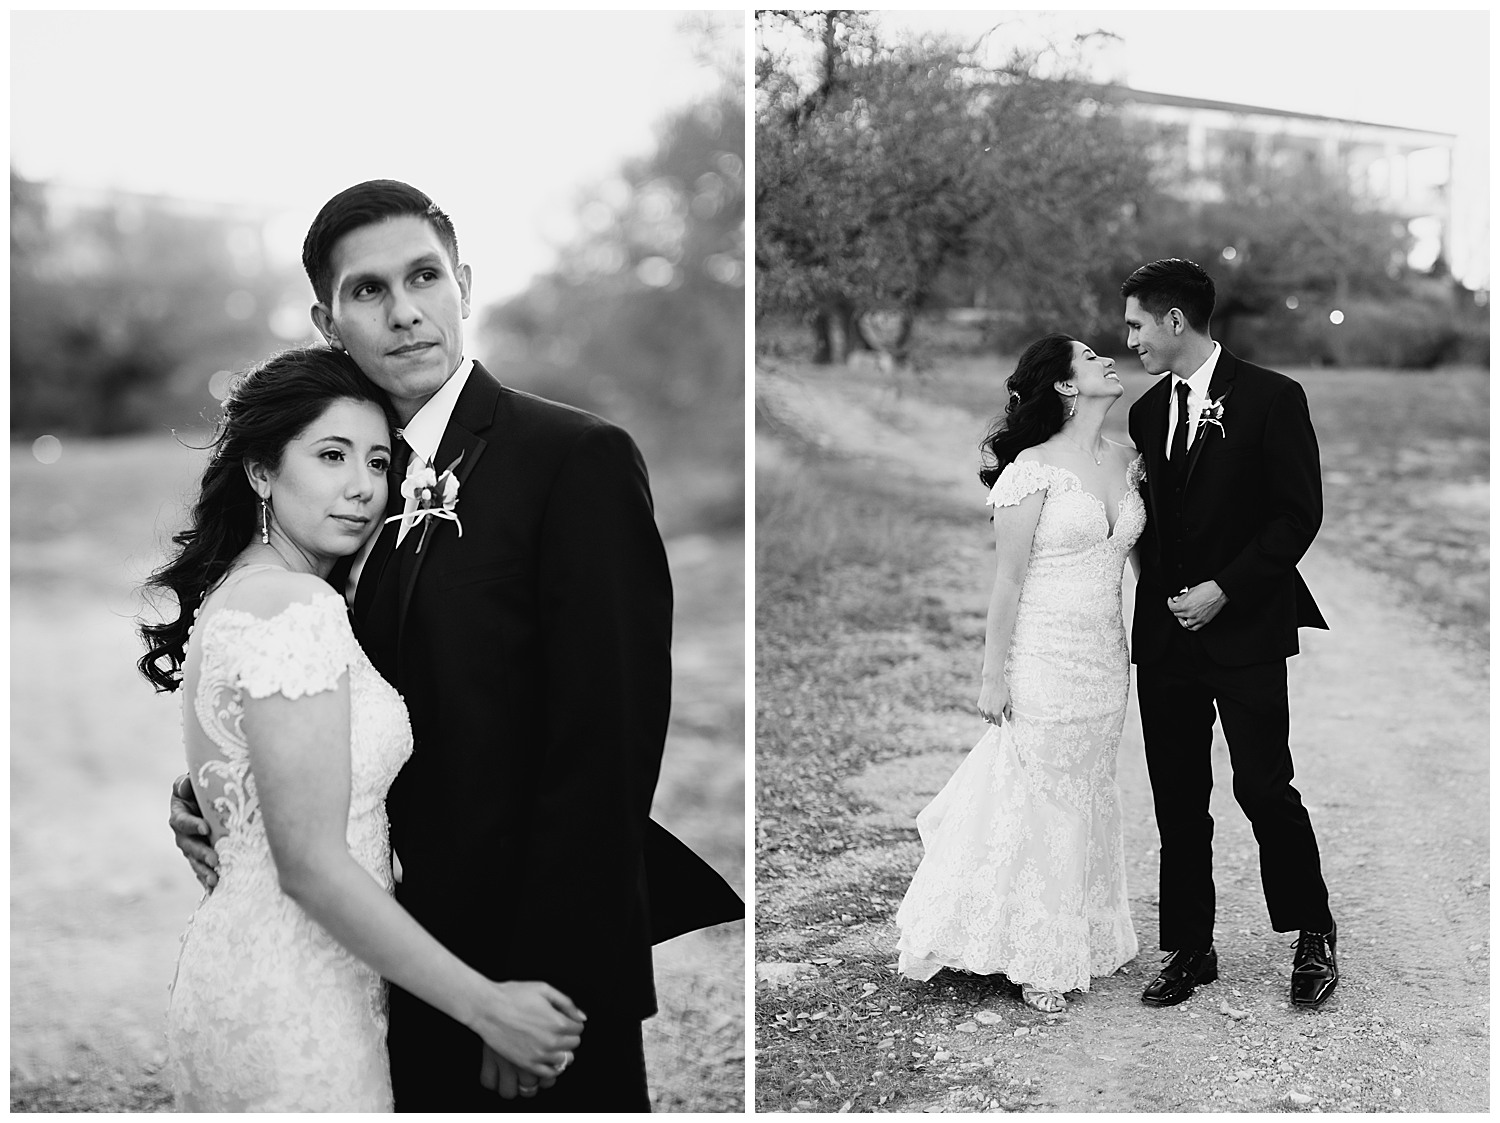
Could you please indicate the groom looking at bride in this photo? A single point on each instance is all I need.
(1234, 499)
(533, 653)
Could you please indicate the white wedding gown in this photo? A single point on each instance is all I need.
(1024, 871)
(267, 1011)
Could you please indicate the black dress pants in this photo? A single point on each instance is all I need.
(1178, 697)
(435, 1066)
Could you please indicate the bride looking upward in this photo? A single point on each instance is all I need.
(1024, 872)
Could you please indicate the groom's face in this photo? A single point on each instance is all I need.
(398, 308)
(1153, 340)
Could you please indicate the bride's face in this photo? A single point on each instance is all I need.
(1094, 375)
(329, 491)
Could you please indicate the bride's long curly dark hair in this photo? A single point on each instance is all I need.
(266, 408)
(1035, 410)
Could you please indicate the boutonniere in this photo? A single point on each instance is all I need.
(1213, 413)
(436, 495)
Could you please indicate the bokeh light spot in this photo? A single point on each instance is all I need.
(656, 272)
(290, 322)
(47, 449)
(723, 268)
(219, 383)
(1229, 253)
(239, 305)
(1335, 317)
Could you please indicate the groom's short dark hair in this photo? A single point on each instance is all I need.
(1173, 282)
(364, 204)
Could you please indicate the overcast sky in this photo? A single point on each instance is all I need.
(1421, 69)
(502, 117)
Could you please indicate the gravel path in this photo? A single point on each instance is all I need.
(1390, 735)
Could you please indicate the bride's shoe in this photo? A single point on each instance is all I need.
(1043, 1001)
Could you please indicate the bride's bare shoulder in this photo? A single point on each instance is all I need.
(1122, 451)
(268, 591)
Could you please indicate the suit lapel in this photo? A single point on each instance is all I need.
(1154, 437)
(379, 558)
(473, 414)
(1218, 386)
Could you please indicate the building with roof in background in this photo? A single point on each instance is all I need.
(1424, 177)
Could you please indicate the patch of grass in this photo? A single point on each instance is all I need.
(821, 515)
(849, 577)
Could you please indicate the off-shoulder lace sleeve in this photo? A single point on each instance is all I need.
(301, 650)
(1017, 480)
(1136, 473)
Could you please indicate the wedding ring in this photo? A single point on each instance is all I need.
(565, 1062)
(528, 1089)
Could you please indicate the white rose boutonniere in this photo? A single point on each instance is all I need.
(436, 495)
(1213, 414)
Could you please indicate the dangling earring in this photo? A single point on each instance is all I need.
(1072, 406)
(265, 522)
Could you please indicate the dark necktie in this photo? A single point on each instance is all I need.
(385, 539)
(1180, 434)
(395, 502)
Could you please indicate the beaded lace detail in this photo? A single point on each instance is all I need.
(268, 1012)
(1024, 870)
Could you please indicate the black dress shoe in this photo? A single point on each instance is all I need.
(1184, 970)
(1315, 971)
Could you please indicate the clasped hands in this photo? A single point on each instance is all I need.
(1195, 607)
(191, 832)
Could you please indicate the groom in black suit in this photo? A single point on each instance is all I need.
(530, 638)
(533, 652)
(1234, 499)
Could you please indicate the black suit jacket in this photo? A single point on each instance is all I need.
(1251, 505)
(533, 652)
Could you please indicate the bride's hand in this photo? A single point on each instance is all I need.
(504, 1079)
(533, 1025)
(994, 702)
(190, 831)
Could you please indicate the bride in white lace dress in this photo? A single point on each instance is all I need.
(292, 740)
(1024, 872)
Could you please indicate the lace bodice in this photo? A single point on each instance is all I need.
(268, 1012)
(1073, 537)
(1024, 869)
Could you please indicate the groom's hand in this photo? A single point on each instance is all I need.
(1195, 607)
(191, 831)
(499, 1075)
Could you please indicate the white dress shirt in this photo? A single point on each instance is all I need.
(1197, 384)
(422, 434)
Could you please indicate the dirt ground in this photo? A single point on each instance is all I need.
(1390, 737)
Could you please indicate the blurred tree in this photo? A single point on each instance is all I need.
(1276, 241)
(885, 175)
(123, 306)
(643, 319)
(635, 308)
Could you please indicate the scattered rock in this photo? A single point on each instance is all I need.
(782, 974)
(1299, 1098)
(1021, 1031)
(967, 1027)
(988, 1018)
